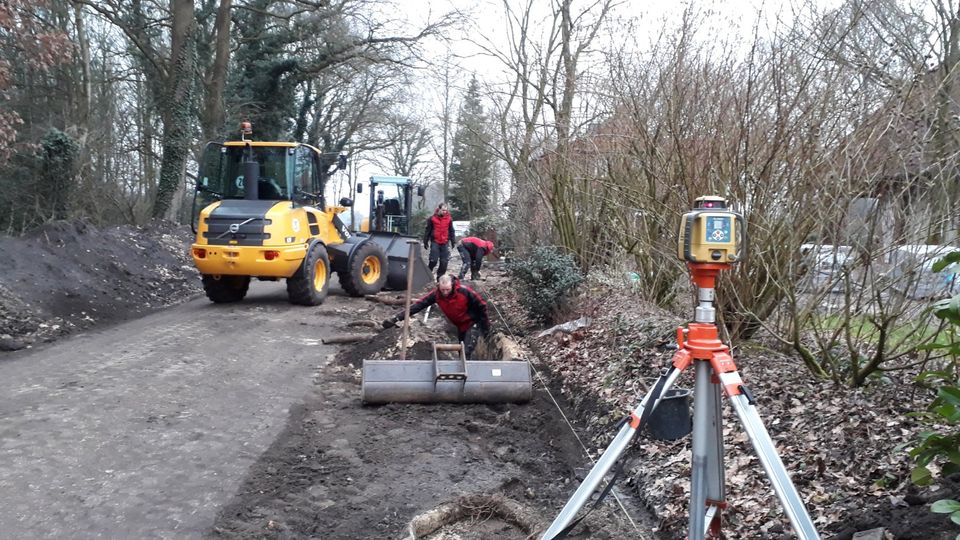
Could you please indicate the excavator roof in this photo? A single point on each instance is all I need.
(262, 143)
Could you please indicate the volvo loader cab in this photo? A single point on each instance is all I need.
(260, 212)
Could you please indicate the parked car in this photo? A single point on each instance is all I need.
(461, 228)
(912, 272)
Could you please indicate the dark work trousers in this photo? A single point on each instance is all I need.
(441, 253)
(470, 338)
(469, 262)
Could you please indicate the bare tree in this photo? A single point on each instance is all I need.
(171, 75)
(406, 142)
(542, 109)
(442, 148)
(213, 113)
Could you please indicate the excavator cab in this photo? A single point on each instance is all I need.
(391, 204)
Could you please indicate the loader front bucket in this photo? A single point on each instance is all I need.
(446, 381)
(398, 250)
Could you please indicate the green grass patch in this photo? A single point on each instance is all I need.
(907, 335)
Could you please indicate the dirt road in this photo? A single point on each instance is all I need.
(236, 421)
(144, 429)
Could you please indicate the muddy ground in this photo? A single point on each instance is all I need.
(70, 275)
(344, 470)
(339, 469)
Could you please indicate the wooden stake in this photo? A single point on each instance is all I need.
(406, 300)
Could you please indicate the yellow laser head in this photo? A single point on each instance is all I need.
(711, 233)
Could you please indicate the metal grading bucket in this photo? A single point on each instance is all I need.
(445, 381)
(401, 254)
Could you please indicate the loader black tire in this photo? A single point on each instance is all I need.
(367, 271)
(225, 289)
(310, 285)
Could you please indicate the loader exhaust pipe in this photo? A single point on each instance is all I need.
(251, 180)
(250, 169)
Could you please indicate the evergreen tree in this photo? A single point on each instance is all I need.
(471, 169)
(263, 87)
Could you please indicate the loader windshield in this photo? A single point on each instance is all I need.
(221, 172)
(285, 172)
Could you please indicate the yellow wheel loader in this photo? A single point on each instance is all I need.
(260, 212)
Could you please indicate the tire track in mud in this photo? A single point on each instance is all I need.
(342, 470)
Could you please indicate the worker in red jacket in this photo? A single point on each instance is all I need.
(472, 251)
(461, 305)
(439, 238)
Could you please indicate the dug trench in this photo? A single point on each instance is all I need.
(342, 470)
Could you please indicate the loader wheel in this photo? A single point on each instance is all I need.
(309, 286)
(225, 289)
(367, 272)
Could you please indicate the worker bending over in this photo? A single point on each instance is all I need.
(472, 250)
(461, 305)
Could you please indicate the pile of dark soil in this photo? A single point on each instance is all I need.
(70, 275)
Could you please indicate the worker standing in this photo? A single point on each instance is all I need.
(439, 238)
(461, 305)
(472, 250)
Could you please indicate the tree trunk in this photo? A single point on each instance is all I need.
(83, 100)
(178, 116)
(213, 115)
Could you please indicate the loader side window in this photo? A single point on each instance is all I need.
(305, 173)
(207, 183)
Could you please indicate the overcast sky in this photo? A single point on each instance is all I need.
(486, 26)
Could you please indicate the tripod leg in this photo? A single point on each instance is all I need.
(610, 456)
(707, 479)
(716, 486)
(776, 472)
(742, 402)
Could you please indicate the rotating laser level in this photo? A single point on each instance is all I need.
(710, 233)
(710, 240)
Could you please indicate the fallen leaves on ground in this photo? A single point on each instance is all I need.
(845, 448)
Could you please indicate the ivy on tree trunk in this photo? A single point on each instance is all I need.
(178, 119)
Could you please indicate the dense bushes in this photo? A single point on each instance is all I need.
(545, 276)
(38, 186)
(940, 442)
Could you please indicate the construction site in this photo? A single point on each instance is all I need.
(269, 436)
(449, 270)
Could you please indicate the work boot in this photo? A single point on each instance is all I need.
(474, 275)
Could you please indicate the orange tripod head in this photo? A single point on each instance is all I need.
(704, 275)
